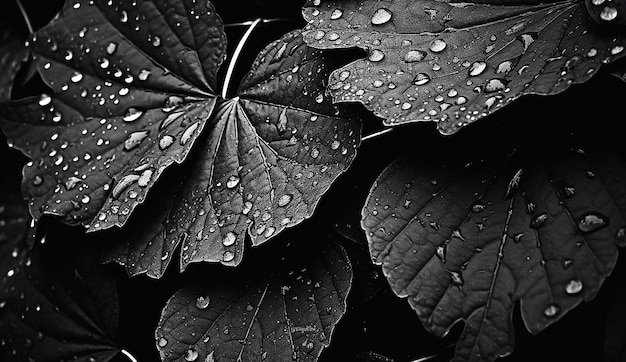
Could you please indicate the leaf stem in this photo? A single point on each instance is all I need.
(248, 23)
(25, 16)
(236, 53)
(127, 354)
(376, 134)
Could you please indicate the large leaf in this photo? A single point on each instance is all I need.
(58, 306)
(273, 311)
(269, 156)
(466, 242)
(132, 87)
(453, 63)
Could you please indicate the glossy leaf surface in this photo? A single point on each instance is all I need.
(466, 242)
(132, 88)
(269, 156)
(454, 63)
(279, 311)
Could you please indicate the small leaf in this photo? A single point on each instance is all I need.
(13, 54)
(278, 311)
(60, 305)
(457, 249)
(132, 88)
(269, 156)
(454, 63)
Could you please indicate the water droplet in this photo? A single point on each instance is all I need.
(228, 256)
(37, 180)
(336, 14)
(413, 56)
(376, 55)
(478, 207)
(319, 98)
(123, 183)
(495, 85)
(132, 114)
(592, 221)
(608, 13)
(156, 41)
(191, 354)
(188, 133)
(111, 48)
(165, 142)
(539, 220)
(123, 19)
(617, 49)
(76, 77)
(456, 278)
(203, 301)
(145, 178)
(71, 183)
(421, 79)
(477, 68)
(69, 55)
(123, 91)
(284, 200)
(567, 263)
(143, 74)
(574, 286)
(44, 100)
(162, 342)
(438, 45)
(551, 311)
(232, 181)
(527, 39)
(229, 239)
(134, 140)
(381, 16)
(504, 67)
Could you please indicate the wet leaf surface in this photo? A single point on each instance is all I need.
(132, 86)
(282, 312)
(269, 156)
(454, 63)
(468, 241)
(59, 305)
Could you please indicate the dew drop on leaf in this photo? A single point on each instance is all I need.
(203, 301)
(165, 142)
(438, 45)
(191, 355)
(162, 342)
(376, 56)
(477, 68)
(608, 13)
(592, 221)
(284, 200)
(413, 56)
(229, 239)
(574, 286)
(421, 79)
(132, 114)
(232, 181)
(44, 100)
(551, 311)
(336, 14)
(228, 256)
(539, 220)
(381, 16)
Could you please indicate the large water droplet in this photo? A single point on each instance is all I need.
(188, 133)
(134, 140)
(228, 256)
(229, 239)
(413, 56)
(132, 114)
(76, 77)
(165, 142)
(381, 16)
(421, 79)
(111, 48)
(592, 221)
(162, 342)
(438, 45)
(284, 200)
(477, 68)
(191, 355)
(495, 85)
(574, 286)
(608, 13)
(527, 39)
(203, 301)
(336, 14)
(232, 181)
(376, 55)
(551, 311)
(123, 183)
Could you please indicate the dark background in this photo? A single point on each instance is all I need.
(379, 326)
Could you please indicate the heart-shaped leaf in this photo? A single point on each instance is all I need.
(453, 63)
(132, 88)
(468, 242)
(269, 156)
(58, 306)
(274, 312)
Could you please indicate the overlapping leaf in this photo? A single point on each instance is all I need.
(12, 54)
(58, 306)
(269, 156)
(468, 242)
(282, 312)
(132, 88)
(453, 63)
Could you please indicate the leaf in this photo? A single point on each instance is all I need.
(454, 63)
(60, 306)
(468, 242)
(269, 156)
(133, 86)
(12, 54)
(269, 311)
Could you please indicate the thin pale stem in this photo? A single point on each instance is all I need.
(248, 23)
(25, 16)
(128, 355)
(376, 134)
(236, 53)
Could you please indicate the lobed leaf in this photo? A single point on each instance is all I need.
(468, 242)
(270, 155)
(454, 63)
(282, 312)
(132, 88)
